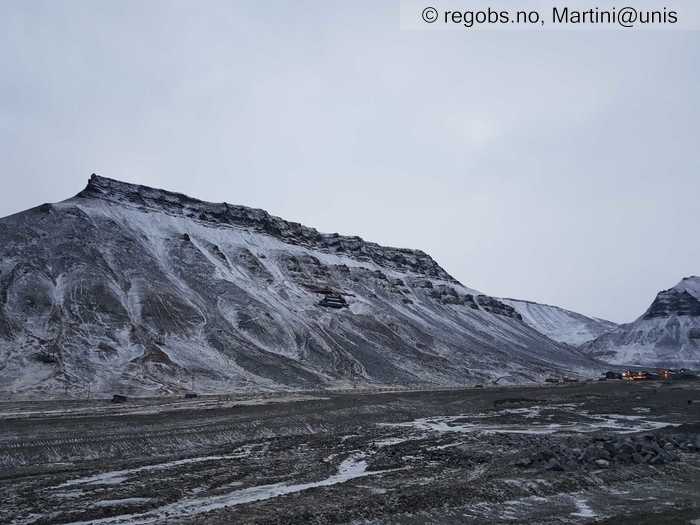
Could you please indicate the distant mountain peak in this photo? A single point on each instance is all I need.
(667, 334)
(691, 285)
(683, 300)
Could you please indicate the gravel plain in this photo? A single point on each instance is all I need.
(603, 452)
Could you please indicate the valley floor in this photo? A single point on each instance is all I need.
(603, 452)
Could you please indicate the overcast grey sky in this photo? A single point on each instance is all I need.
(557, 167)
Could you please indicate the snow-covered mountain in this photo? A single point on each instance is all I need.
(560, 324)
(133, 289)
(668, 334)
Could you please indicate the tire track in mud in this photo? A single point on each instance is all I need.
(250, 422)
(308, 416)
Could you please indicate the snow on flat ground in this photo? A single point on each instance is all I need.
(536, 420)
(119, 476)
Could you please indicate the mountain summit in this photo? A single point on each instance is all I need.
(667, 334)
(138, 290)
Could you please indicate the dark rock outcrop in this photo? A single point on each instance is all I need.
(673, 302)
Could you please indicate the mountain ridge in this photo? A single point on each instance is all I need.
(666, 334)
(245, 217)
(133, 289)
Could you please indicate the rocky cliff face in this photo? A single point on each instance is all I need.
(138, 290)
(259, 221)
(667, 334)
(673, 302)
(560, 324)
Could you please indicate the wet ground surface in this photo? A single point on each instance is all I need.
(589, 453)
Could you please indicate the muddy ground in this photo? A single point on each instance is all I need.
(605, 452)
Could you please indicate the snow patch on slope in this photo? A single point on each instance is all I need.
(559, 324)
